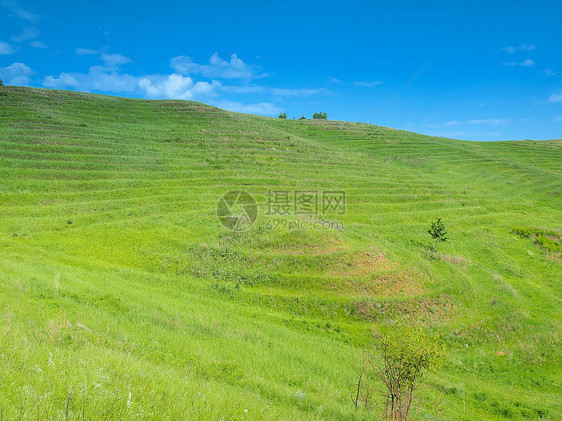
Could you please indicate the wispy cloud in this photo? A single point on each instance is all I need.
(367, 83)
(14, 7)
(98, 79)
(85, 51)
(217, 67)
(297, 92)
(558, 118)
(244, 89)
(103, 78)
(114, 61)
(525, 63)
(555, 98)
(38, 44)
(27, 34)
(522, 47)
(550, 72)
(334, 80)
(5, 48)
(16, 74)
(486, 121)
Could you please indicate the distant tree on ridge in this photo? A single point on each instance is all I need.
(320, 116)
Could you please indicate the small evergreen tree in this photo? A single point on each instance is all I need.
(438, 232)
(1, 83)
(302, 118)
(320, 116)
(283, 116)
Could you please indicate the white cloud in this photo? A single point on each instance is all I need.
(109, 78)
(15, 8)
(526, 63)
(487, 121)
(334, 80)
(522, 47)
(244, 89)
(98, 78)
(65, 80)
(550, 72)
(297, 92)
(27, 34)
(555, 98)
(16, 74)
(103, 78)
(263, 108)
(176, 86)
(84, 51)
(367, 83)
(5, 48)
(38, 44)
(114, 61)
(217, 67)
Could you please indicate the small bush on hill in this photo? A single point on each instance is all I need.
(549, 240)
(406, 354)
(320, 116)
(438, 232)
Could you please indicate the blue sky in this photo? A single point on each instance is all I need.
(494, 73)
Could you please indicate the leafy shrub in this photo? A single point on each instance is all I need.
(320, 116)
(283, 116)
(548, 244)
(529, 232)
(522, 232)
(407, 353)
(547, 239)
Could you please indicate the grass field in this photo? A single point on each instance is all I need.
(123, 297)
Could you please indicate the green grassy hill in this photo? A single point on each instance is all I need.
(122, 296)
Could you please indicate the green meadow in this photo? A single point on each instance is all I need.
(122, 296)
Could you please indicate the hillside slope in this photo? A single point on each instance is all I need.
(123, 296)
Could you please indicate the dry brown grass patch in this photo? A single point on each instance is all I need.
(429, 309)
(402, 283)
(362, 264)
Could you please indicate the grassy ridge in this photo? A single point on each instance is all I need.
(121, 295)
